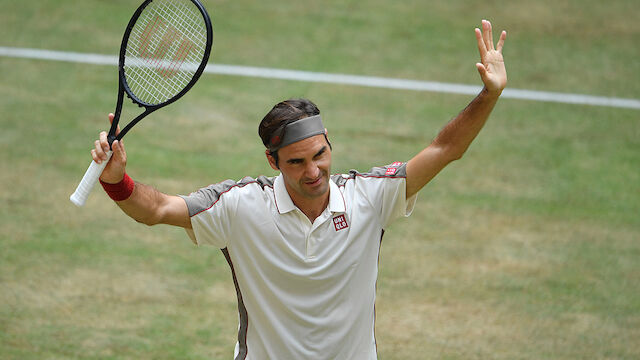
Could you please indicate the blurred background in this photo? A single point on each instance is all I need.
(527, 248)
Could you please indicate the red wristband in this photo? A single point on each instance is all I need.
(120, 191)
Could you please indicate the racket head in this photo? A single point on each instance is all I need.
(164, 51)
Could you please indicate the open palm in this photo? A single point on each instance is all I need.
(491, 68)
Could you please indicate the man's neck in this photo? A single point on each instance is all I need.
(311, 207)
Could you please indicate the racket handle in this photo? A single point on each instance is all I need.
(89, 180)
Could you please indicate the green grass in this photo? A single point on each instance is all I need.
(527, 248)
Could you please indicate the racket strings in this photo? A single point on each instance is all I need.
(160, 63)
(164, 50)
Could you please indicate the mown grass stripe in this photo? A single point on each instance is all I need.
(345, 79)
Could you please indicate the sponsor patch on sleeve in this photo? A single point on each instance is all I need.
(393, 168)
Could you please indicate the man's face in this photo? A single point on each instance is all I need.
(305, 166)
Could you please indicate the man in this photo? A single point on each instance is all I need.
(303, 246)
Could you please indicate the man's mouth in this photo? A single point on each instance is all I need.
(314, 182)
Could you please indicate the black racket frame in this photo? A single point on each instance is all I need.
(123, 87)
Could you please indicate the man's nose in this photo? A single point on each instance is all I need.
(312, 171)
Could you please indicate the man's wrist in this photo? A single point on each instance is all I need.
(491, 93)
(119, 191)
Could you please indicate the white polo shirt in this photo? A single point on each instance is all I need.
(305, 290)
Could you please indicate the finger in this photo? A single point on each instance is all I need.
(482, 70)
(95, 156)
(117, 146)
(98, 151)
(481, 46)
(111, 117)
(503, 36)
(488, 38)
(104, 142)
(118, 152)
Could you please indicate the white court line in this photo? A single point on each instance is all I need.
(369, 81)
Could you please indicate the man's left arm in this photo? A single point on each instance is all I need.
(454, 139)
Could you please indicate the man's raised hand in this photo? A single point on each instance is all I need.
(491, 67)
(114, 171)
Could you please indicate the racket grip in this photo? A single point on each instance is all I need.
(89, 180)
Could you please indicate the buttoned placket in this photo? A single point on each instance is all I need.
(336, 204)
(311, 241)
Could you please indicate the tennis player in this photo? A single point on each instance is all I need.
(303, 246)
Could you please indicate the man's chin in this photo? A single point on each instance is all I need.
(317, 190)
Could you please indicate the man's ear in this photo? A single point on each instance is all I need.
(326, 137)
(272, 160)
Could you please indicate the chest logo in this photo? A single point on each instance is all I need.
(340, 222)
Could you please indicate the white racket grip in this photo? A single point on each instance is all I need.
(89, 180)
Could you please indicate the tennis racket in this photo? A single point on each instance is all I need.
(164, 50)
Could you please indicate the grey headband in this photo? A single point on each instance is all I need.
(296, 131)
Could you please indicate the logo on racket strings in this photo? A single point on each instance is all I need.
(164, 48)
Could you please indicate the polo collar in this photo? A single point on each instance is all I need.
(284, 204)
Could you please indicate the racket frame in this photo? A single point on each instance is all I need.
(94, 171)
(123, 87)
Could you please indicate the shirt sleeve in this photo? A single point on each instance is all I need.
(386, 189)
(211, 210)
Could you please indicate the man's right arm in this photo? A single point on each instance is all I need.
(151, 207)
(145, 204)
